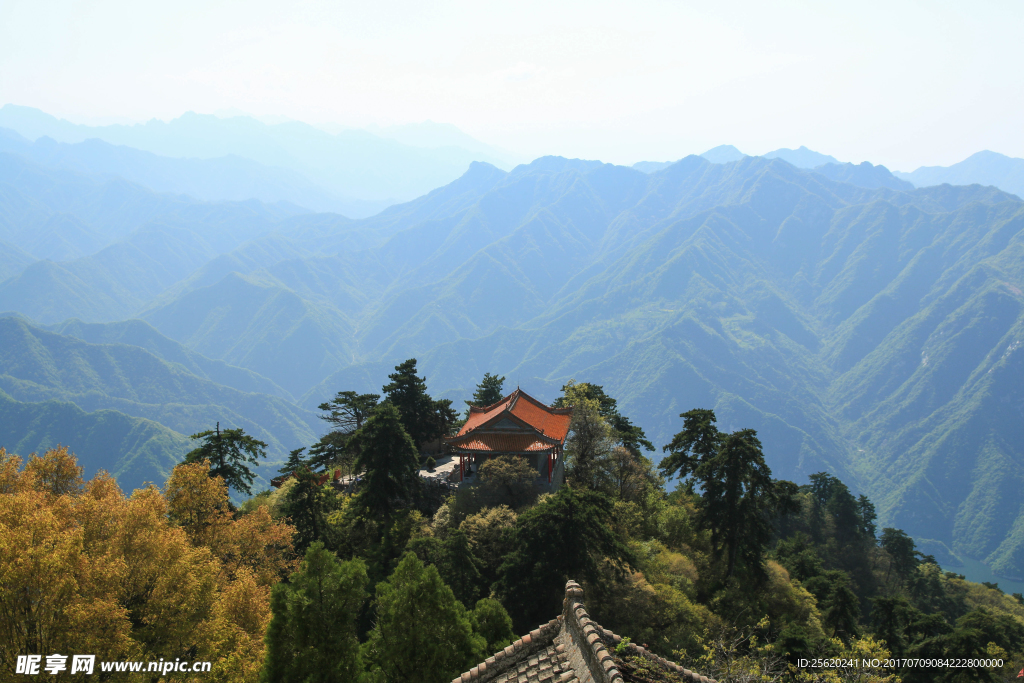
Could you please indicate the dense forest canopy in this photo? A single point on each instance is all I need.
(734, 573)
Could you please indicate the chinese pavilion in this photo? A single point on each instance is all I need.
(516, 425)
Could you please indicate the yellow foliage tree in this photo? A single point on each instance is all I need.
(199, 504)
(57, 472)
(87, 570)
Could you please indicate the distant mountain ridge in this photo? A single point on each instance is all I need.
(138, 333)
(725, 154)
(863, 175)
(36, 365)
(802, 157)
(351, 163)
(228, 178)
(982, 168)
(132, 449)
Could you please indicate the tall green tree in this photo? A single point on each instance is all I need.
(890, 617)
(331, 451)
(630, 435)
(387, 457)
(492, 622)
(488, 392)
(459, 567)
(867, 516)
(308, 504)
(903, 555)
(294, 463)
(738, 498)
(347, 411)
(698, 442)
(422, 634)
(312, 632)
(588, 448)
(445, 417)
(424, 418)
(230, 453)
(840, 609)
(564, 537)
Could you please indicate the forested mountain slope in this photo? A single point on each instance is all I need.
(36, 365)
(138, 333)
(134, 450)
(107, 246)
(867, 331)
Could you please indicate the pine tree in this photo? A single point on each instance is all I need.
(565, 537)
(348, 410)
(903, 555)
(387, 457)
(867, 515)
(230, 452)
(308, 504)
(294, 463)
(459, 567)
(407, 391)
(331, 451)
(840, 610)
(738, 499)
(424, 418)
(312, 633)
(697, 442)
(422, 633)
(488, 392)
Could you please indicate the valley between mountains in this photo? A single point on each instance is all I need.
(863, 327)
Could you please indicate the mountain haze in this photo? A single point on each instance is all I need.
(352, 163)
(801, 157)
(982, 168)
(227, 178)
(36, 366)
(863, 327)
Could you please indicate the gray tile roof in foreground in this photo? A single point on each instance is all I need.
(571, 647)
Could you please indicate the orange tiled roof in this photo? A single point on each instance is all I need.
(552, 422)
(478, 416)
(503, 443)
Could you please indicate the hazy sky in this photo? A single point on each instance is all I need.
(899, 83)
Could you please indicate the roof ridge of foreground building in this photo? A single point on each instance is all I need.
(484, 409)
(570, 648)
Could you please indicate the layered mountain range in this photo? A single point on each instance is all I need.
(351, 171)
(863, 326)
